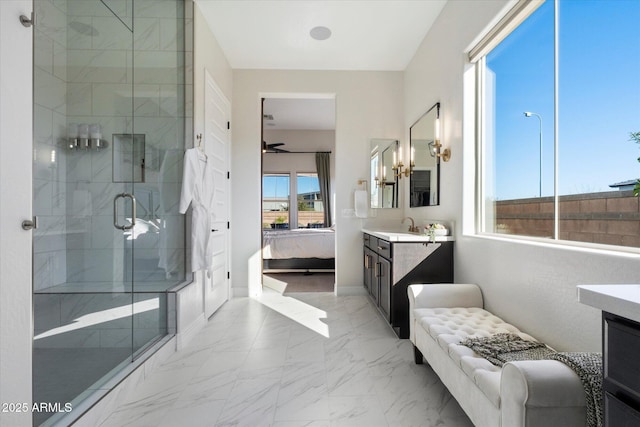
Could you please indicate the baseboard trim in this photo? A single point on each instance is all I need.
(239, 292)
(185, 336)
(350, 290)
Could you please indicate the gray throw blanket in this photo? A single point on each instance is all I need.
(505, 347)
(588, 366)
(502, 348)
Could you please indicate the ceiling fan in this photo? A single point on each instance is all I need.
(273, 148)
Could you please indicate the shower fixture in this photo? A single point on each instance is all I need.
(84, 137)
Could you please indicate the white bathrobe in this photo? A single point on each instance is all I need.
(198, 190)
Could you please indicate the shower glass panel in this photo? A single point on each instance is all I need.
(109, 135)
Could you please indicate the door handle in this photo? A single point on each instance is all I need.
(115, 211)
(30, 224)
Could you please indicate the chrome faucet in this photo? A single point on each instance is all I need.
(412, 227)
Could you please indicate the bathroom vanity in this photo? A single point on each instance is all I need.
(393, 261)
(620, 306)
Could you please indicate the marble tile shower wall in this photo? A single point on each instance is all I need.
(49, 155)
(102, 72)
(85, 73)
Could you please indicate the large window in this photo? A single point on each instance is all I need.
(275, 201)
(559, 113)
(310, 206)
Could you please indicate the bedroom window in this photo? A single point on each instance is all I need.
(558, 124)
(310, 205)
(275, 200)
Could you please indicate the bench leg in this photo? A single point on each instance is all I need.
(417, 356)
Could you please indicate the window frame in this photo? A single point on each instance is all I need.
(511, 18)
(298, 174)
(289, 213)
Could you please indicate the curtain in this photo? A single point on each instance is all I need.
(324, 177)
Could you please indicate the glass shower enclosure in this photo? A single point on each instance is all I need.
(110, 126)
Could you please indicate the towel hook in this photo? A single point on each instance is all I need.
(199, 138)
(26, 21)
(365, 182)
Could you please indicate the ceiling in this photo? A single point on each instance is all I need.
(366, 35)
(300, 113)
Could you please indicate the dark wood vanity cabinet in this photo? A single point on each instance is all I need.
(377, 273)
(389, 268)
(621, 376)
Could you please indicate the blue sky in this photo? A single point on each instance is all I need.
(599, 99)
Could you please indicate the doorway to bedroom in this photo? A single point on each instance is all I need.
(298, 164)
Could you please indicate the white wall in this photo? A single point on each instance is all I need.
(532, 286)
(302, 140)
(368, 105)
(299, 140)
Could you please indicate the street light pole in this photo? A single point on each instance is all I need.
(529, 114)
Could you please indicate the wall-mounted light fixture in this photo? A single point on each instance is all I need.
(398, 165)
(435, 147)
(381, 183)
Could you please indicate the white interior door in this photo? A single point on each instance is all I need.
(217, 111)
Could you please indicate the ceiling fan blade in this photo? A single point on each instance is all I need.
(273, 148)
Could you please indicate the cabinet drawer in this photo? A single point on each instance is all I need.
(367, 240)
(383, 248)
(619, 414)
(373, 243)
(621, 350)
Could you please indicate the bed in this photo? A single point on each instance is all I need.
(298, 249)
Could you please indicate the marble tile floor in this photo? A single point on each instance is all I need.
(307, 359)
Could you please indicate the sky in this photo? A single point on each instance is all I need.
(598, 102)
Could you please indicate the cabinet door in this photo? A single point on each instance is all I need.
(619, 414)
(621, 346)
(369, 268)
(384, 279)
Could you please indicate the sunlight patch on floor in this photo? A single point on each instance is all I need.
(103, 316)
(298, 311)
(273, 283)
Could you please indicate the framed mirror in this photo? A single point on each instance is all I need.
(383, 190)
(425, 176)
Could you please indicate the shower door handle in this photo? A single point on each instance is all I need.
(133, 211)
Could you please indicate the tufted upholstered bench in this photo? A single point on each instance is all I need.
(532, 393)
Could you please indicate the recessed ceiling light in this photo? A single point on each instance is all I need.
(320, 33)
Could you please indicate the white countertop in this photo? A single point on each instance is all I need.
(622, 300)
(399, 236)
